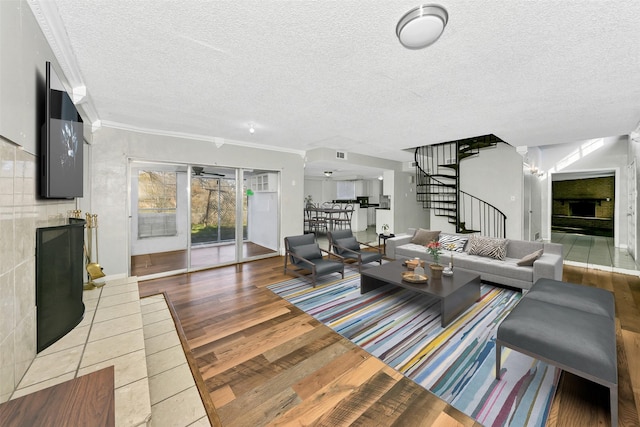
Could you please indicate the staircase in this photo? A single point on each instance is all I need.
(438, 186)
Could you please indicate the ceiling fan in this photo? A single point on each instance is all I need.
(199, 171)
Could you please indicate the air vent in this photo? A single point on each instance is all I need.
(341, 155)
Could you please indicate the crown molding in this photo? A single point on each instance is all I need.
(48, 18)
(219, 142)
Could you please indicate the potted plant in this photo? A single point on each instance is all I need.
(385, 229)
(434, 250)
(308, 200)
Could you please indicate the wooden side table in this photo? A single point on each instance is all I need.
(383, 238)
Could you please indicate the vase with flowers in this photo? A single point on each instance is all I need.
(434, 250)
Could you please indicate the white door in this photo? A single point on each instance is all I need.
(631, 210)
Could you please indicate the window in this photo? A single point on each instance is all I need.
(346, 190)
(157, 204)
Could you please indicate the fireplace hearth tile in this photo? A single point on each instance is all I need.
(115, 326)
(23, 391)
(156, 316)
(119, 299)
(108, 313)
(112, 347)
(132, 400)
(52, 365)
(89, 305)
(160, 342)
(190, 408)
(170, 382)
(153, 348)
(77, 336)
(128, 368)
(155, 307)
(164, 360)
(158, 328)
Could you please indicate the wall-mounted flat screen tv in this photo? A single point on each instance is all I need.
(61, 143)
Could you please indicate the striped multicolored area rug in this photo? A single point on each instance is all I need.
(457, 363)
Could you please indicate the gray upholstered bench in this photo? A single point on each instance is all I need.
(569, 326)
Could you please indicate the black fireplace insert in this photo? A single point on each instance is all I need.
(59, 280)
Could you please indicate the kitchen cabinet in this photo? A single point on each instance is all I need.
(359, 218)
(384, 216)
(264, 182)
(371, 215)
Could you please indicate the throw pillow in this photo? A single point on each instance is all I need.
(488, 246)
(529, 259)
(349, 243)
(310, 251)
(424, 237)
(453, 243)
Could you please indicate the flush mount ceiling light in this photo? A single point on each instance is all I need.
(422, 26)
(251, 128)
(328, 173)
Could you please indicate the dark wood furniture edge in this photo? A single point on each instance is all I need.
(88, 400)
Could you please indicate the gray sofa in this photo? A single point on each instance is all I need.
(505, 272)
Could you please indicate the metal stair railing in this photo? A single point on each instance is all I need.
(476, 215)
(438, 187)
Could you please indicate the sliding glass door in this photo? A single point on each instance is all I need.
(159, 220)
(213, 216)
(234, 215)
(192, 217)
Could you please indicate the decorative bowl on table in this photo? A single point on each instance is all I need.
(411, 277)
(413, 263)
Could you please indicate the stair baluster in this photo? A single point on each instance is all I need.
(438, 187)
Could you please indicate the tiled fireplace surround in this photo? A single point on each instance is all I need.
(166, 382)
(20, 214)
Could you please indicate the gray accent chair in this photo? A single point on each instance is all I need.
(344, 243)
(567, 325)
(307, 260)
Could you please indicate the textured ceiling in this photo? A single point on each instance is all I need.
(332, 74)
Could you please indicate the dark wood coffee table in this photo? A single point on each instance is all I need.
(456, 293)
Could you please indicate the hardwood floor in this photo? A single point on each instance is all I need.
(201, 257)
(263, 361)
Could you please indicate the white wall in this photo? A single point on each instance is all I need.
(407, 212)
(320, 189)
(532, 206)
(634, 154)
(112, 150)
(532, 193)
(22, 74)
(572, 157)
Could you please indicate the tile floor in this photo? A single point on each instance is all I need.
(595, 252)
(138, 337)
(171, 384)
